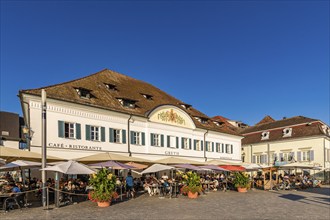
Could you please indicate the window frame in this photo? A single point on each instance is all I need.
(95, 133)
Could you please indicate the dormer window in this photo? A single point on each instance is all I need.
(185, 106)
(84, 93)
(326, 129)
(265, 135)
(201, 120)
(287, 132)
(147, 96)
(111, 87)
(216, 123)
(128, 103)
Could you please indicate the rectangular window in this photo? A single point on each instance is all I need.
(305, 155)
(69, 130)
(171, 141)
(95, 133)
(198, 145)
(228, 149)
(156, 140)
(208, 146)
(218, 147)
(137, 138)
(116, 135)
(185, 143)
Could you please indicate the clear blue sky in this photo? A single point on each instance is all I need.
(239, 59)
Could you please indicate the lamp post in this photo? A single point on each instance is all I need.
(44, 141)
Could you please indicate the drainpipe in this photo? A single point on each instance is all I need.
(129, 136)
(28, 141)
(268, 154)
(324, 152)
(251, 158)
(207, 131)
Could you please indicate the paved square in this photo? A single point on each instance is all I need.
(257, 204)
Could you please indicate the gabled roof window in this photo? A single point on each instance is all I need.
(201, 120)
(265, 135)
(111, 87)
(147, 96)
(287, 132)
(84, 93)
(184, 105)
(128, 103)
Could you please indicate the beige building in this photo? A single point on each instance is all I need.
(290, 139)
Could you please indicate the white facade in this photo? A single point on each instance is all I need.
(84, 118)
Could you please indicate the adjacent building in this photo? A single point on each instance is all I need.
(111, 112)
(290, 139)
(11, 135)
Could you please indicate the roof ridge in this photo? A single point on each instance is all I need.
(63, 83)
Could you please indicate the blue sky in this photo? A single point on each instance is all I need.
(239, 59)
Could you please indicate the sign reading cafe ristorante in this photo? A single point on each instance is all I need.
(74, 146)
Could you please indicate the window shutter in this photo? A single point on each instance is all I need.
(222, 148)
(111, 135)
(123, 136)
(88, 132)
(132, 137)
(143, 138)
(182, 144)
(195, 141)
(311, 155)
(168, 141)
(292, 156)
(190, 143)
(299, 155)
(212, 146)
(177, 142)
(261, 159)
(162, 140)
(103, 134)
(61, 129)
(266, 158)
(78, 131)
(152, 139)
(253, 159)
(202, 142)
(206, 146)
(231, 149)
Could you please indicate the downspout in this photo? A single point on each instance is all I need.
(207, 131)
(268, 154)
(129, 136)
(251, 154)
(324, 152)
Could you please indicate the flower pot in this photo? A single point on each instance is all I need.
(103, 204)
(192, 195)
(242, 190)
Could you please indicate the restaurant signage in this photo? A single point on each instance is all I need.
(74, 146)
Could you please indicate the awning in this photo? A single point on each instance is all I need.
(233, 168)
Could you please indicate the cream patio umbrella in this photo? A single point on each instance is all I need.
(109, 156)
(12, 154)
(138, 166)
(177, 160)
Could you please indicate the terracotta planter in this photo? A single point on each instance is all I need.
(103, 204)
(242, 190)
(192, 195)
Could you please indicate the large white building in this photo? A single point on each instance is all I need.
(111, 112)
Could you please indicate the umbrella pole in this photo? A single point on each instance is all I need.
(57, 188)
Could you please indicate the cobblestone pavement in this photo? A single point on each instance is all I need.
(256, 204)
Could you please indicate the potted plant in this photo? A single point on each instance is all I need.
(193, 184)
(104, 186)
(241, 181)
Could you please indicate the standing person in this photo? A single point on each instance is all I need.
(129, 185)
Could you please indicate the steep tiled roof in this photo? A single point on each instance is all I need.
(301, 127)
(126, 87)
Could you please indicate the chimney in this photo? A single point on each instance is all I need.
(284, 117)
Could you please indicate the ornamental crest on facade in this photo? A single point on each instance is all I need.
(171, 116)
